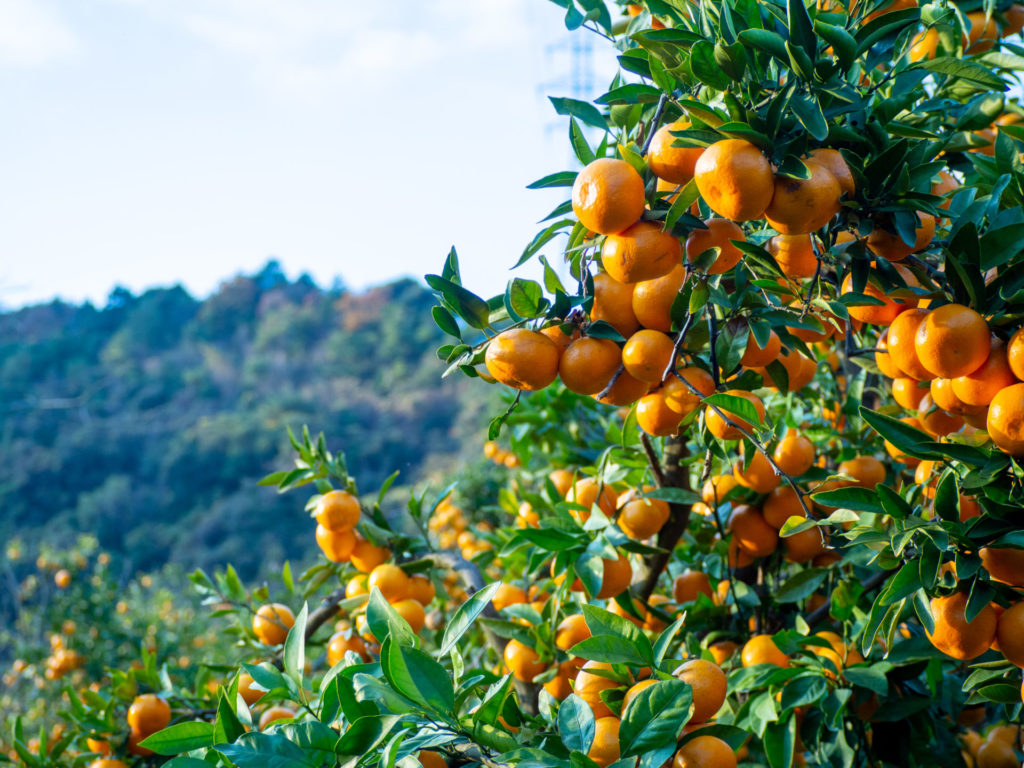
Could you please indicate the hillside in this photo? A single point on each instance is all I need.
(148, 421)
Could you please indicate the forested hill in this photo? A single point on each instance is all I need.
(149, 420)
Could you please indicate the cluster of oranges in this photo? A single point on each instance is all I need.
(62, 659)
(995, 749)
(499, 455)
(147, 714)
(451, 527)
(408, 595)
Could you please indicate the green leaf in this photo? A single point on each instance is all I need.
(857, 499)
(227, 727)
(610, 649)
(265, 750)
(770, 42)
(905, 437)
(965, 70)
(801, 585)
(525, 298)
(905, 583)
(780, 738)
(419, 678)
(634, 93)
(735, 405)
(579, 143)
(808, 111)
(587, 113)
(466, 304)
(576, 723)
(560, 179)
(385, 621)
(655, 717)
(801, 31)
(180, 737)
(705, 68)
(465, 616)
(295, 647)
(871, 677)
(602, 622)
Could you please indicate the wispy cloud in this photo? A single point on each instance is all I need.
(33, 34)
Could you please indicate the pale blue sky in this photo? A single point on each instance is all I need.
(147, 142)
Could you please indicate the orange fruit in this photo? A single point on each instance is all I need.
(835, 163)
(705, 752)
(944, 396)
(522, 661)
(647, 354)
(100, 746)
(995, 753)
(62, 578)
(642, 518)
(588, 364)
(421, 589)
(1004, 565)
(508, 594)
(799, 370)
(608, 196)
(896, 453)
(604, 750)
(337, 546)
(754, 356)
(1014, 20)
(758, 476)
(616, 578)
(979, 387)
(761, 649)
(366, 555)
(412, 611)
(952, 340)
(937, 422)
(874, 313)
(679, 397)
(588, 686)
(801, 206)
(954, 635)
(719, 234)
(804, 546)
(752, 533)
(522, 359)
(274, 714)
(794, 254)
(1005, 422)
(430, 759)
(794, 454)
(572, 630)
(148, 714)
(654, 416)
(723, 430)
(634, 690)
(946, 186)
(925, 45)
(625, 391)
(562, 479)
(652, 299)
(338, 511)
(1015, 353)
(983, 33)
(908, 393)
(560, 685)
(782, 504)
(900, 340)
(689, 584)
(889, 245)
(735, 179)
(722, 650)
(675, 164)
(708, 683)
(249, 694)
(338, 646)
(272, 622)
(883, 359)
(642, 252)
(613, 303)
(716, 488)
(866, 471)
(585, 492)
(391, 580)
(1010, 634)
(108, 763)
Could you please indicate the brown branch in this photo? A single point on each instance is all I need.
(670, 474)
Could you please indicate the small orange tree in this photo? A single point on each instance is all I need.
(721, 539)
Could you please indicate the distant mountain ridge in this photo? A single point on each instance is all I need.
(148, 421)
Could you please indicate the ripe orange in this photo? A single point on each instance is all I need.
(761, 649)
(722, 650)
(572, 630)
(1015, 353)
(430, 759)
(654, 416)
(412, 611)
(801, 206)
(613, 303)
(617, 576)
(720, 428)
(62, 578)
(391, 580)
(983, 33)
(642, 518)
(979, 387)
(717, 488)
(782, 504)
(758, 476)
(338, 511)
(735, 179)
(337, 647)
(896, 453)
(946, 186)
(944, 396)
(952, 341)
(689, 584)
(604, 750)
(799, 370)
(634, 690)
(274, 714)
(588, 364)
(133, 745)
(1010, 633)
(675, 164)
(900, 341)
(866, 471)
(647, 354)
(754, 356)
(642, 252)
(366, 555)
(585, 492)
(708, 683)
(421, 589)
(107, 763)
(996, 753)
(679, 397)
(608, 196)
(833, 160)
(804, 546)
(937, 422)
(874, 313)
(560, 685)
(522, 359)
(562, 479)
(508, 594)
(1014, 20)
(794, 254)
(908, 392)
(890, 245)
(719, 234)
(625, 391)
(752, 533)
(1005, 422)
(652, 299)
(705, 752)
(522, 661)
(954, 635)
(102, 747)
(337, 546)
(588, 686)
(882, 358)
(1004, 565)
(794, 454)
(148, 714)
(272, 622)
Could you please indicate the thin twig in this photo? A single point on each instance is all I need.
(677, 346)
(652, 460)
(713, 334)
(604, 392)
(653, 127)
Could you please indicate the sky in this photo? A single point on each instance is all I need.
(152, 142)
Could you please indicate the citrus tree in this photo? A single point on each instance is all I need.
(763, 441)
